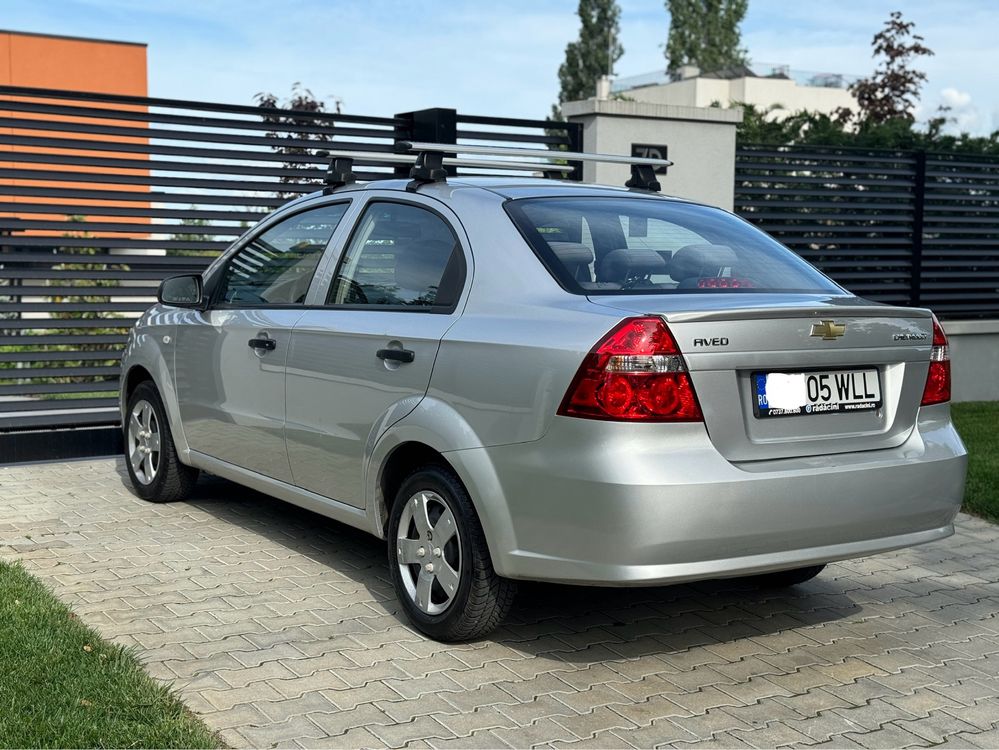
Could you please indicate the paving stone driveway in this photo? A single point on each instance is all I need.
(281, 628)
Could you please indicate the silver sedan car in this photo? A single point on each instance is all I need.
(525, 379)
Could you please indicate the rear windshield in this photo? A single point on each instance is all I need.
(643, 245)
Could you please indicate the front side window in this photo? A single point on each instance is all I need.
(401, 255)
(276, 266)
(643, 245)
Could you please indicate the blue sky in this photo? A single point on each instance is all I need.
(496, 57)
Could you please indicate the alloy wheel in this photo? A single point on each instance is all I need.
(428, 550)
(144, 442)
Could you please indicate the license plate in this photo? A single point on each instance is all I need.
(785, 394)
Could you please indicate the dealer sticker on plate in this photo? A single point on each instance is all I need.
(782, 394)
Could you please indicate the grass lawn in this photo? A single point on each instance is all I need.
(61, 685)
(978, 423)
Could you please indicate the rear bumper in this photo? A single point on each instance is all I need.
(607, 503)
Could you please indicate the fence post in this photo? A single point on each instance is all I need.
(437, 125)
(919, 194)
(574, 130)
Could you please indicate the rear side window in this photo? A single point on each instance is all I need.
(644, 245)
(401, 255)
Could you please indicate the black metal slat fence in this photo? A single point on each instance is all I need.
(102, 196)
(904, 227)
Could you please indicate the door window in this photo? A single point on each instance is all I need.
(402, 256)
(276, 266)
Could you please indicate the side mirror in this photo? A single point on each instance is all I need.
(181, 291)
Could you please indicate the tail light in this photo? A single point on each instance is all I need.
(937, 389)
(634, 374)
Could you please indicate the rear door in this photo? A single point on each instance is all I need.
(230, 359)
(362, 361)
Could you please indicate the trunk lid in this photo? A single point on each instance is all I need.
(729, 340)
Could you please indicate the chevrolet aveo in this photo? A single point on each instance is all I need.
(525, 379)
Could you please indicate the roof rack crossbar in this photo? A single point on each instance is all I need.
(459, 148)
(374, 158)
(643, 176)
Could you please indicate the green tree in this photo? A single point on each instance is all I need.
(592, 55)
(893, 90)
(804, 128)
(705, 33)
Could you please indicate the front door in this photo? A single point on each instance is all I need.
(230, 359)
(363, 361)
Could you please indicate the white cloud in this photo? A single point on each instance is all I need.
(955, 99)
(962, 113)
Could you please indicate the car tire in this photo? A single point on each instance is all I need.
(155, 471)
(784, 578)
(461, 598)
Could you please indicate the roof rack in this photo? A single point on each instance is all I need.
(429, 160)
(643, 176)
(340, 171)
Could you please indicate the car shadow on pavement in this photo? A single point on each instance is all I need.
(574, 623)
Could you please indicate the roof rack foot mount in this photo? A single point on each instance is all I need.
(643, 177)
(429, 167)
(339, 173)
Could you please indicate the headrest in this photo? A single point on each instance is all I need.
(420, 265)
(572, 253)
(695, 261)
(621, 265)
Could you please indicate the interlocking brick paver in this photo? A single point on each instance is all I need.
(982, 715)
(470, 722)
(660, 733)
(408, 709)
(888, 736)
(540, 732)
(281, 629)
(872, 715)
(487, 695)
(484, 739)
(421, 728)
(309, 704)
(936, 727)
(339, 722)
(770, 735)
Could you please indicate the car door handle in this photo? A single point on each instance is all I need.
(396, 355)
(267, 345)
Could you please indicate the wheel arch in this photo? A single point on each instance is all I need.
(435, 433)
(399, 464)
(136, 374)
(149, 357)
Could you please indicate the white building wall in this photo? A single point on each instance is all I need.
(760, 92)
(701, 144)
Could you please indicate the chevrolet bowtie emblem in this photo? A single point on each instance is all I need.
(828, 330)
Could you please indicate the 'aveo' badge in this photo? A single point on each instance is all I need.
(721, 341)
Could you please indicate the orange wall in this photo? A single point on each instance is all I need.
(76, 64)
(91, 65)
